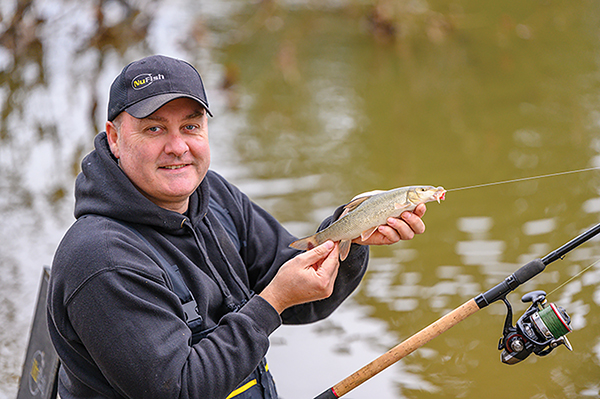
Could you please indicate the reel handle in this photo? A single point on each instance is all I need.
(534, 296)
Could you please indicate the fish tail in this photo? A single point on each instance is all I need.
(306, 243)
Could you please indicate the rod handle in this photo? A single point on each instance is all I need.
(529, 271)
(328, 394)
(401, 350)
(524, 274)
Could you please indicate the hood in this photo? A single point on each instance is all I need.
(102, 188)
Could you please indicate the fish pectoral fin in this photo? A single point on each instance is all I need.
(345, 249)
(368, 233)
(404, 205)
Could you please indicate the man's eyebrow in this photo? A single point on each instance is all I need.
(153, 117)
(197, 114)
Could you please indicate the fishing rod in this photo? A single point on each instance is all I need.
(539, 330)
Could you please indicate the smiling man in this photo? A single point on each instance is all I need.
(171, 280)
(166, 154)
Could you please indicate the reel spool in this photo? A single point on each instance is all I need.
(539, 330)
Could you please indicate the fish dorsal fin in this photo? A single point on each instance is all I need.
(352, 205)
(368, 194)
(346, 211)
(359, 199)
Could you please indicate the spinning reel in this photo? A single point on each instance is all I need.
(539, 330)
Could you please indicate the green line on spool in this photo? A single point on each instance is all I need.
(552, 318)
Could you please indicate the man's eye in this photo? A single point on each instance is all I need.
(154, 129)
(190, 128)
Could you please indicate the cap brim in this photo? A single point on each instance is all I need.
(148, 106)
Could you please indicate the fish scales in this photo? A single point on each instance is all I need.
(366, 212)
(373, 212)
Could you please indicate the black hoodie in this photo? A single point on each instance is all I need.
(114, 319)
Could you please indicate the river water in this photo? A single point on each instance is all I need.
(315, 102)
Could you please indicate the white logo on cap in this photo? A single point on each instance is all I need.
(144, 80)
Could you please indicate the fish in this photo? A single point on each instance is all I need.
(366, 212)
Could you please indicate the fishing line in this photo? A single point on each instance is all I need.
(524, 179)
(533, 178)
(574, 277)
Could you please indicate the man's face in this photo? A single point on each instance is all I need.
(166, 155)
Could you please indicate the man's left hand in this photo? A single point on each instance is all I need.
(402, 228)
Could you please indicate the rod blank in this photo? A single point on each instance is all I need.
(574, 243)
(522, 275)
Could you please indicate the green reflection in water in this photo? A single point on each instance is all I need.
(471, 94)
(341, 99)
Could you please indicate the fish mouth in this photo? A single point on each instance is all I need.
(422, 194)
(440, 194)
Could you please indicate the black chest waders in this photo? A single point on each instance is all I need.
(259, 384)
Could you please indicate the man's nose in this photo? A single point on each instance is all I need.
(176, 144)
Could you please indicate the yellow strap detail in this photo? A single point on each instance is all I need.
(246, 386)
(241, 389)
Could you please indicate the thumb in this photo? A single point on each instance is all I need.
(329, 266)
(317, 253)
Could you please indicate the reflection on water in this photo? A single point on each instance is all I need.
(325, 353)
(316, 102)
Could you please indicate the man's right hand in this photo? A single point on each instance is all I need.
(310, 276)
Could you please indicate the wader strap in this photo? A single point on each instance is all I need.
(189, 304)
(226, 232)
(258, 385)
(226, 221)
(228, 242)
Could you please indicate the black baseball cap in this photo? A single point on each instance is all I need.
(147, 84)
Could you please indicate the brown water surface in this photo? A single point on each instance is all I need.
(315, 102)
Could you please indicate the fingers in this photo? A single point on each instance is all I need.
(325, 273)
(317, 253)
(405, 227)
(324, 260)
(420, 210)
(414, 222)
(307, 277)
(329, 266)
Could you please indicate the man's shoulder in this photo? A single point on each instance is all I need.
(96, 244)
(88, 230)
(91, 230)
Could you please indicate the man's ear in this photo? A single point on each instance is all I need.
(112, 135)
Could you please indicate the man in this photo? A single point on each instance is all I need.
(171, 280)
